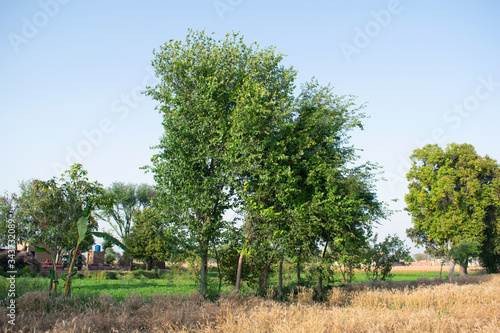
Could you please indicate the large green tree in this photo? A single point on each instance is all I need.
(334, 204)
(308, 200)
(125, 200)
(49, 210)
(454, 196)
(218, 99)
(151, 239)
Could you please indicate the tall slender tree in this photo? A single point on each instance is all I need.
(334, 203)
(217, 99)
(301, 196)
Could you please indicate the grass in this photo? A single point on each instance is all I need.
(122, 285)
(467, 305)
(117, 285)
(122, 288)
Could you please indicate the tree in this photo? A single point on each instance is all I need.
(8, 211)
(49, 210)
(464, 252)
(82, 227)
(110, 255)
(381, 257)
(420, 256)
(126, 199)
(454, 196)
(330, 205)
(149, 239)
(300, 197)
(209, 94)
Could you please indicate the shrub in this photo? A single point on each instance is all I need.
(104, 275)
(381, 256)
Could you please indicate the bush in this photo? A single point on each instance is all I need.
(147, 274)
(381, 256)
(104, 275)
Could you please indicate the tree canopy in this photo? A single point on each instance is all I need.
(124, 201)
(454, 196)
(48, 210)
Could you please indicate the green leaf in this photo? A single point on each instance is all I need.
(65, 276)
(39, 249)
(53, 274)
(82, 224)
(111, 239)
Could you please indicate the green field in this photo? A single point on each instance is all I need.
(121, 285)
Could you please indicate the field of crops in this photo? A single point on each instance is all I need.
(169, 302)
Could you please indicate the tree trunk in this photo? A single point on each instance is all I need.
(280, 277)
(67, 284)
(204, 267)
(451, 271)
(298, 271)
(463, 269)
(320, 283)
(238, 274)
(53, 280)
(218, 268)
(263, 279)
(320, 278)
(351, 270)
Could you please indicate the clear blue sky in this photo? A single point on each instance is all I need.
(71, 72)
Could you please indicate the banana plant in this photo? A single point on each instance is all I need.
(54, 279)
(82, 226)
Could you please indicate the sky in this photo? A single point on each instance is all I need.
(72, 72)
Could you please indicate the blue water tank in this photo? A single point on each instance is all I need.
(97, 248)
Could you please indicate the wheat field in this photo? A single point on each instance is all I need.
(466, 305)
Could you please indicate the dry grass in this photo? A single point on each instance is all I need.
(469, 305)
(434, 269)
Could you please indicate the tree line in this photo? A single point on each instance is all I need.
(236, 136)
